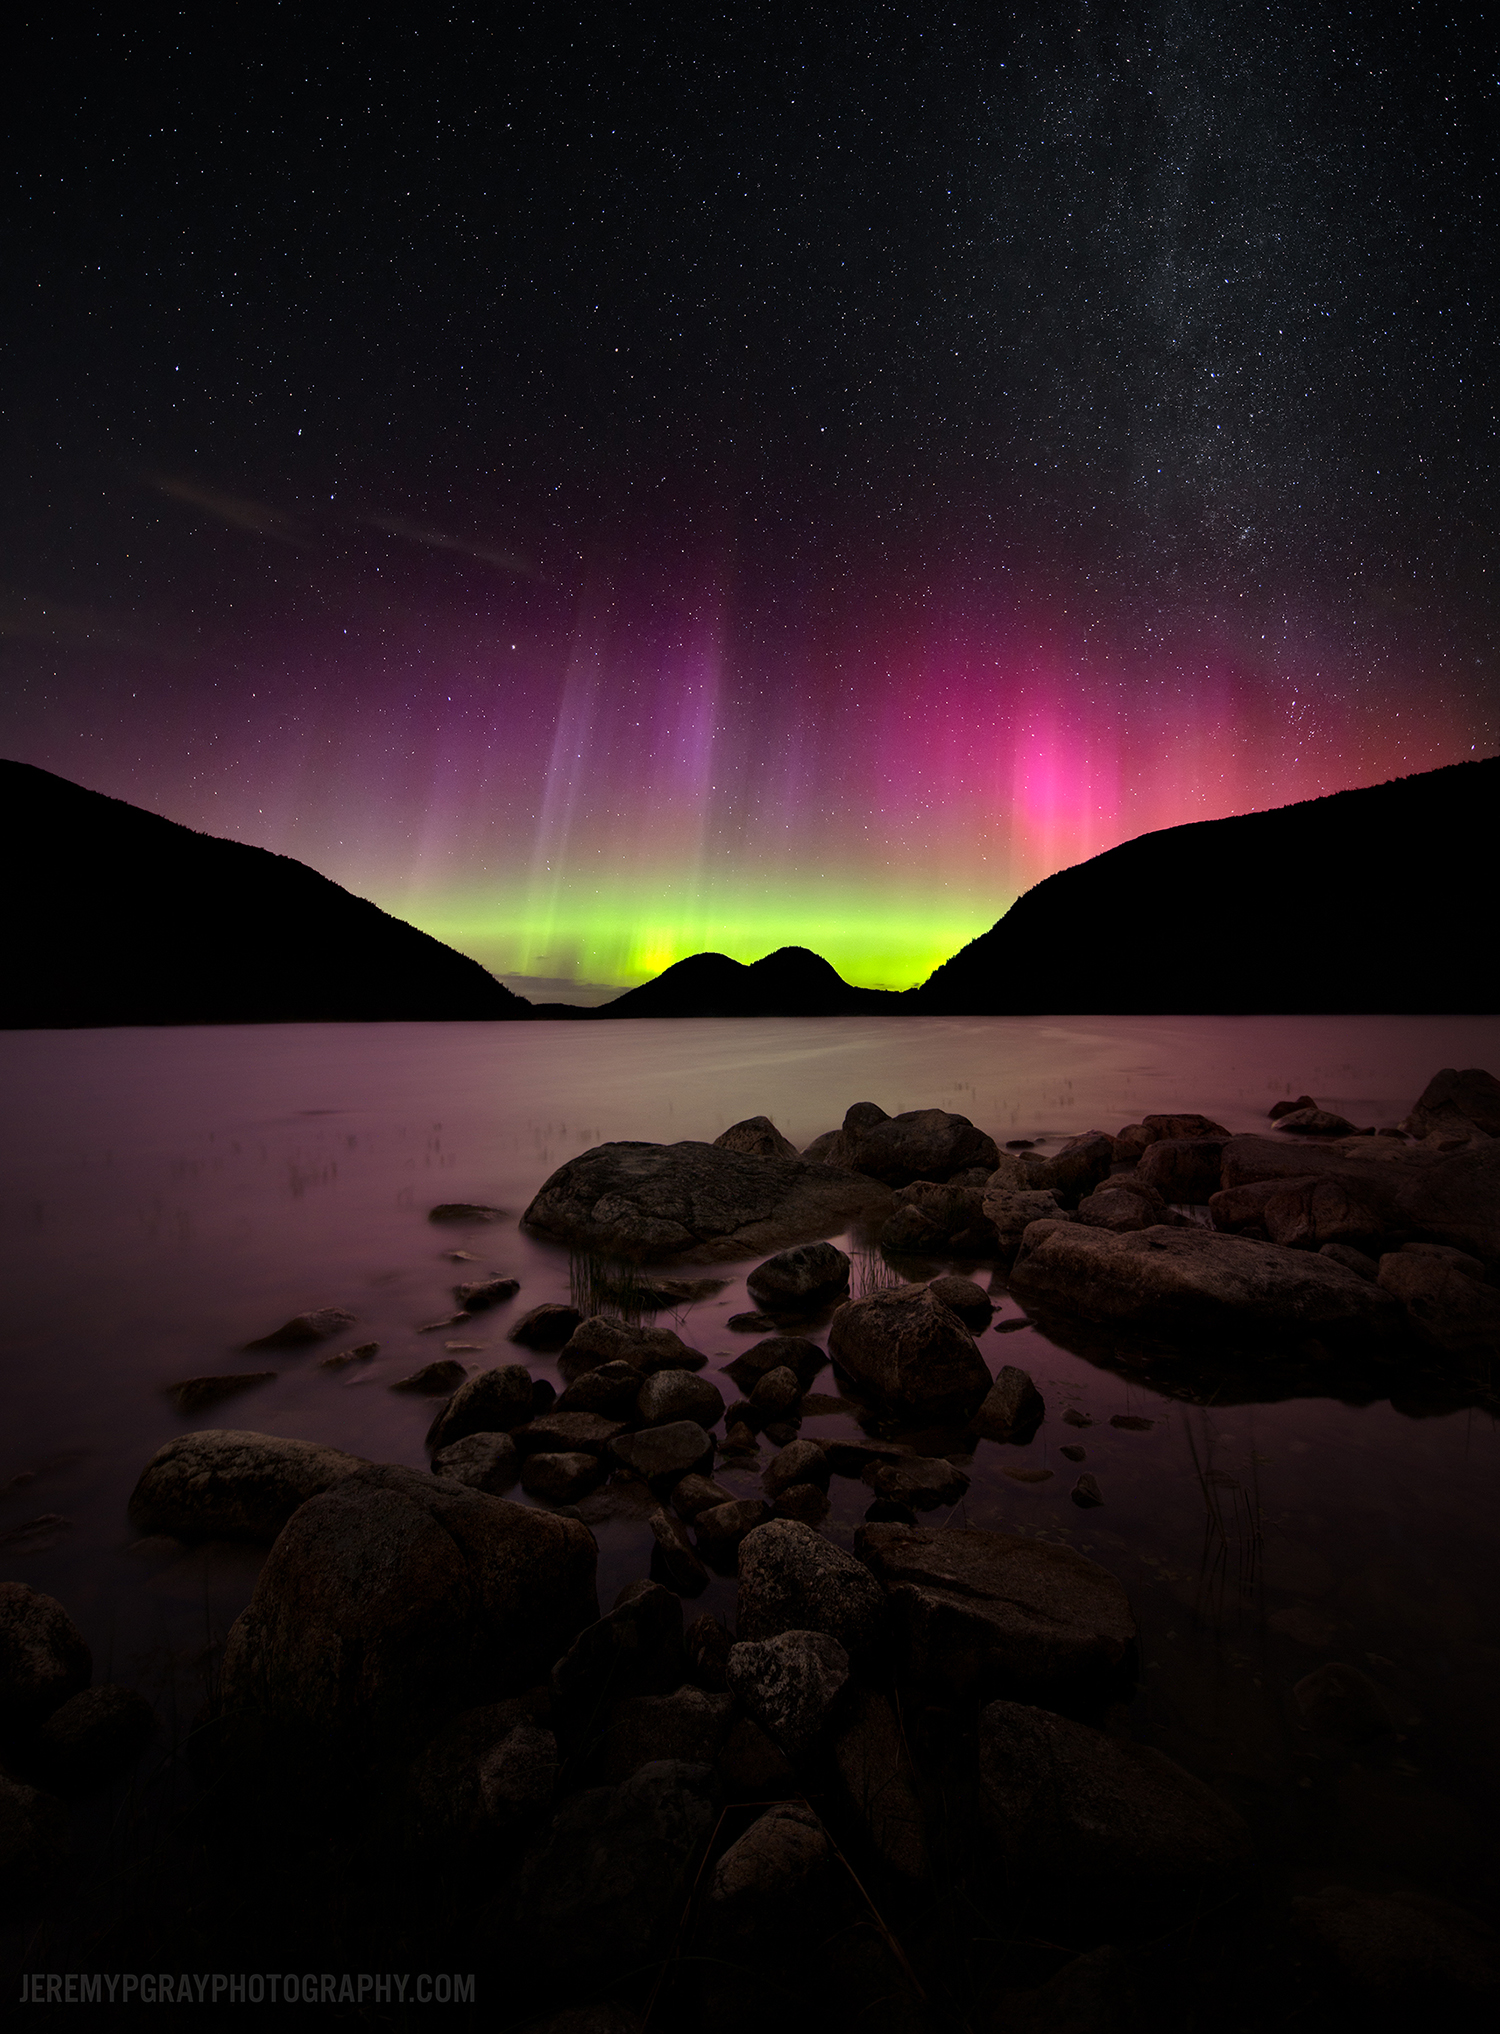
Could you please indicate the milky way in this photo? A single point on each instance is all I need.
(608, 490)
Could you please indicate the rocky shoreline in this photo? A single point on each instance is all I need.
(633, 1815)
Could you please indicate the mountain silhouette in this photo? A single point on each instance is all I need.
(792, 982)
(116, 916)
(1368, 900)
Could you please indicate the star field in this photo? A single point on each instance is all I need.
(613, 484)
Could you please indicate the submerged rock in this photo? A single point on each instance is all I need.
(547, 1326)
(396, 1597)
(996, 1613)
(192, 1394)
(909, 1352)
(443, 1376)
(1447, 1306)
(695, 1201)
(967, 1298)
(678, 1395)
(665, 1453)
(480, 1294)
(921, 1481)
(223, 1484)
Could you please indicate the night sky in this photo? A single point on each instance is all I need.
(612, 485)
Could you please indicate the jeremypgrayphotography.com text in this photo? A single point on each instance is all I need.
(246, 1988)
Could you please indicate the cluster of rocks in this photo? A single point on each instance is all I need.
(62, 1736)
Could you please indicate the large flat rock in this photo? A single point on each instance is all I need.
(995, 1613)
(696, 1202)
(1457, 1200)
(1181, 1280)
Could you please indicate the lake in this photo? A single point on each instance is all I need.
(170, 1194)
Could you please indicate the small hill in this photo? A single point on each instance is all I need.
(1380, 899)
(113, 915)
(792, 982)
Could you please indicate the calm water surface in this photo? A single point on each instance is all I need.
(169, 1194)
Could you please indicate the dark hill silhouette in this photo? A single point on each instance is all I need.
(792, 982)
(1380, 899)
(116, 916)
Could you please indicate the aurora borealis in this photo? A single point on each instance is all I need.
(607, 491)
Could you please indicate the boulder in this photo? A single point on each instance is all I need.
(665, 1453)
(778, 1890)
(1332, 1207)
(1092, 1994)
(1190, 1280)
(670, 1395)
(799, 1281)
(1013, 1408)
(909, 1352)
(805, 1502)
(1457, 1101)
(794, 1352)
(1316, 1123)
(1248, 1159)
(223, 1484)
(1339, 1701)
(1447, 1307)
(601, 1341)
(1012, 1210)
(1351, 1259)
(966, 1298)
(875, 1772)
(489, 1462)
(93, 1737)
(674, 1563)
(479, 1295)
(1418, 1960)
(1183, 1169)
(792, 1579)
(396, 1598)
(1158, 1127)
(433, 1378)
(798, 1462)
(1457, 1200)
(605, 1892)
(635, 1650)
(706, 1644)
(698, 1493)
(918, 1144)
(721, 1527)
(776, 1394)
(757, 1137)
(611, 1391)
(1000, 1614)
(1241, 1210)
(33, 1839)
(940, 1220)
(695, 1201)
(304, 1328)
(43, 1657)
(195, 1394)
(568, 1433)
(688, 1724)
(545, 1327)
(561, 1476)
(1070, 1172)
(517, 1778)
(1096, 1819)
(789, 1684)
(922, 1481)
(1125, 1204)
(1289, 1108)
(494, 1402)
